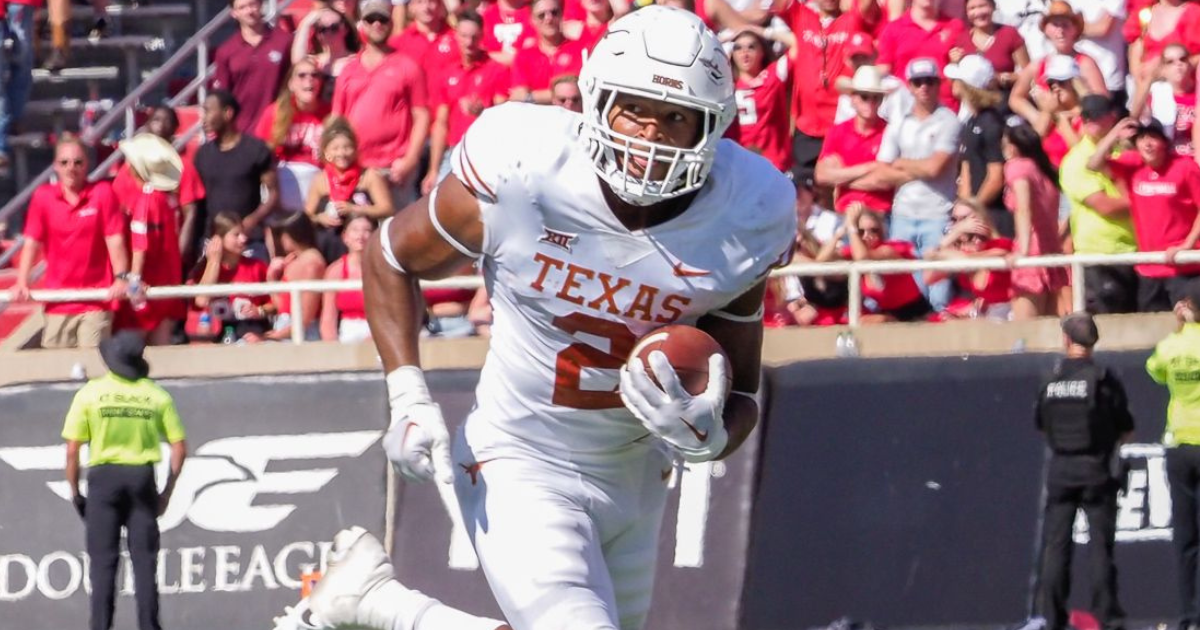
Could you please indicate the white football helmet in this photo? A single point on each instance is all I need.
(666, 54)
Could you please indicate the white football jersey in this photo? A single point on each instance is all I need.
(572, 289)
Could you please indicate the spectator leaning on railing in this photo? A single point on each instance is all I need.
(156, 170)
(80, 229)
(1100, 221)
(343, 314)
(253, 62)
(242, 318)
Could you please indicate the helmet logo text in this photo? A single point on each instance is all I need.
(669, 82)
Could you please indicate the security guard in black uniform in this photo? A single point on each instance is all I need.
(1083, 411)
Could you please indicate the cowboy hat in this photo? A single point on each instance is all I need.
(1061, 8)
(154, 161)
(867, 79)
(122, 353)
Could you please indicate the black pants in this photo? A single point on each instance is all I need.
(1099, 503)
(1159, 295)
(1111, 289)
(122, 496)
(805, 151)
(1183, 473)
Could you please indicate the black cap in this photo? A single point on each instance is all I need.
(122, 353)
(1081, 329)
(1153, 127)
(1096, 106)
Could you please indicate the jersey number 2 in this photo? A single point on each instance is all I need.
(571, 361)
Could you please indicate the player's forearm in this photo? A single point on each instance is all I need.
(394, 309)
(741, 416)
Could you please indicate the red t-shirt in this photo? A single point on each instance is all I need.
(1055, 144)
(591, 35)
(534, 69)
(898, 289)
(72, 238)
(253, 74)
(820, 58)
(763, 124)
(379, 103)
(303, 140)
(191, 189)
(903, 40)
(154, 229)
(433, 52)
(461, 86)
(853, 148)
(1162, 204)
(125, 187)
(504, 29)
(997, 287)
(1005, 41)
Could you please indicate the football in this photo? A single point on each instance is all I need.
(687, 348)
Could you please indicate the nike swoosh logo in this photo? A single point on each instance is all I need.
(683, 272)
(700, 435)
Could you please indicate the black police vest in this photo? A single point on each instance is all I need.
(1073, 421)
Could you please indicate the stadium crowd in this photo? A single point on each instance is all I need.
(924, 129)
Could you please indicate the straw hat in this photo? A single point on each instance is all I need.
(867, 79)
(154, 161)
(1061, 8)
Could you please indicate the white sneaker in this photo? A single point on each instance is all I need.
(358, 565)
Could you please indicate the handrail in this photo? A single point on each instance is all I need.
(122, 110)
(854, 270)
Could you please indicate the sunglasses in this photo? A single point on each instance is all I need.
(549, 13)
(870, 98)
(375, 18)
(326, 29)
(71, 162)
(924, 81)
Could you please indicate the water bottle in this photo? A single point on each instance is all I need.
(847, 345)
(137, 299)
(229, 337)
(1019, 346)
(204, 326)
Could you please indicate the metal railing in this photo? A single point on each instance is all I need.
(852, 270)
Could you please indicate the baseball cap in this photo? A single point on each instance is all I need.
(1096, 106)
(375, 7)
(1061, 68)
(921, 68)
(974, 70)
(1153, 127)
(1081, 329)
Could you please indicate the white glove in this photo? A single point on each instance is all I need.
(692, 425)
(417, 442)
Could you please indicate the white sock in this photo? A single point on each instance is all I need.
(442, 617)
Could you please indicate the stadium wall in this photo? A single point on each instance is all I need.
(904, 491)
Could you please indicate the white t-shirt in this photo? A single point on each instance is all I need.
(1108, 51)
(915, 139)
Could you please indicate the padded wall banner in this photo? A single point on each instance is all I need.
(278, 465)
(907, 492)
(702, 545)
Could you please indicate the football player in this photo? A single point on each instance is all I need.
(592, 230)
